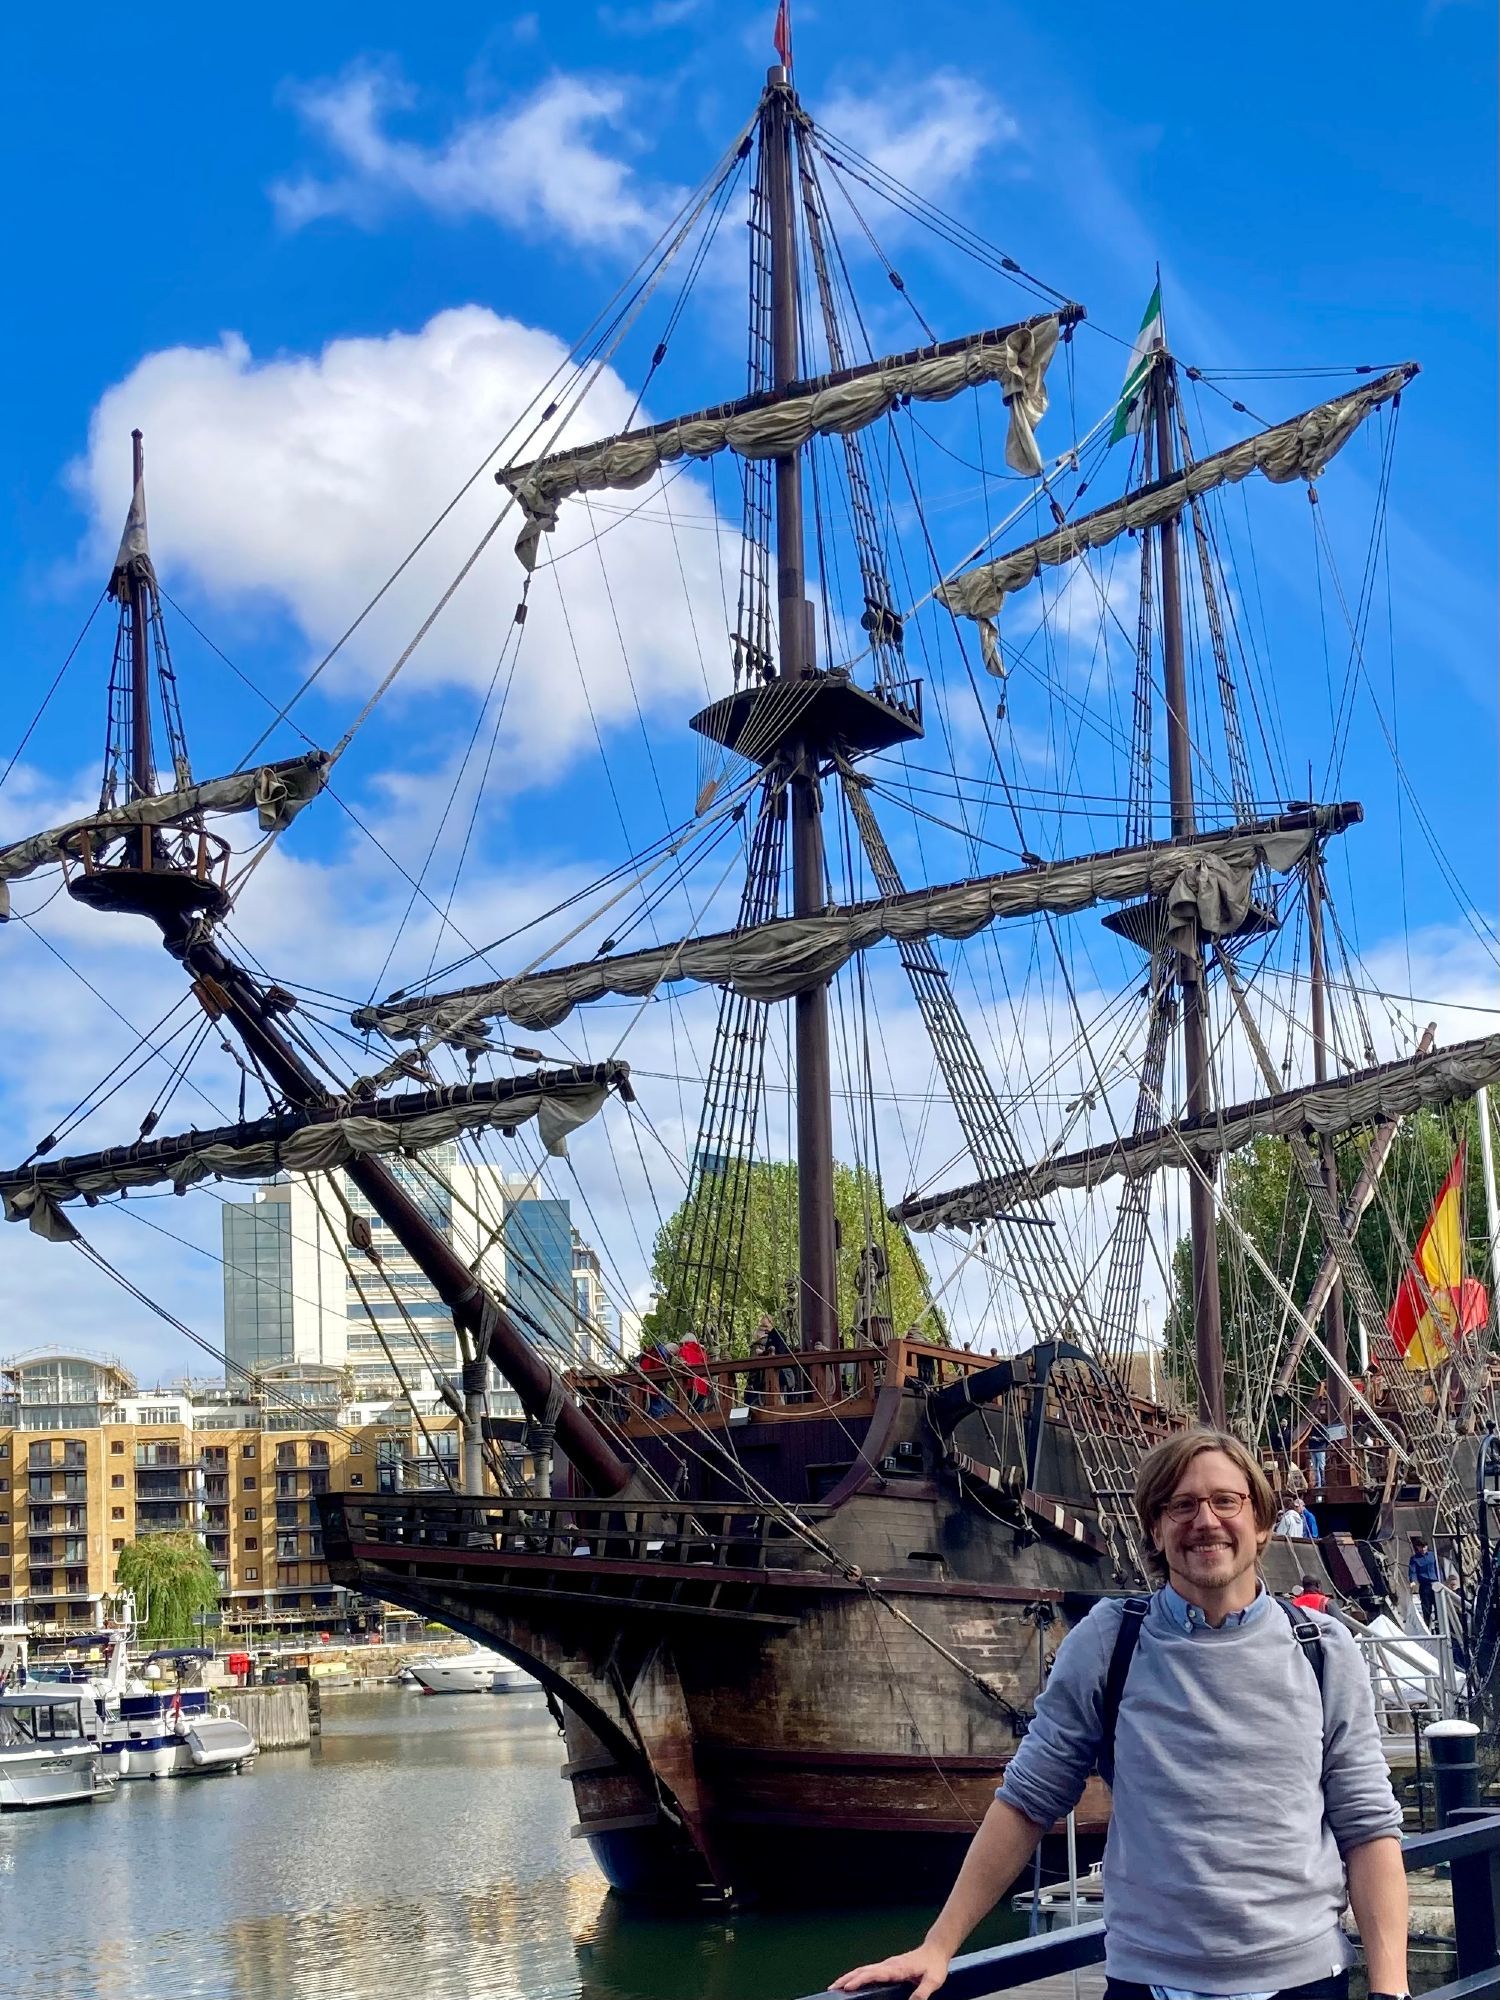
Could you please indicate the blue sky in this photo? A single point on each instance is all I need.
(311, 256)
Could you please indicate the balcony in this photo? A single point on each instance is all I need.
(75, 1486)
(153, 1516)
(160, 1485)
(158, 1455)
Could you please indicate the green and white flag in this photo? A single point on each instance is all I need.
(1130, 414)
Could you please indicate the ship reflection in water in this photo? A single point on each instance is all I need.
(421, 1852)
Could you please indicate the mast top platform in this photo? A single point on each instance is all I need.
(816, 712)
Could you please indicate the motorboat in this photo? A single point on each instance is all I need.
(50, 1753)
(476, 1672)
(174, 1730)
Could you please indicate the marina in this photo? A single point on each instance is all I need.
(420, 1845)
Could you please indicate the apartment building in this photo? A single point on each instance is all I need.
(88, 1464)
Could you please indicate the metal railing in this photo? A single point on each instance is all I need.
(1470, 1849)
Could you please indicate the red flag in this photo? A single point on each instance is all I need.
(783, 35)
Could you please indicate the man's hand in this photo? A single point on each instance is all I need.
(924, 1970)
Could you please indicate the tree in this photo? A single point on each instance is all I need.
(729, 1254)
(1263, 1192)
(174, 1584)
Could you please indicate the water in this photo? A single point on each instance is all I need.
(419, 1852)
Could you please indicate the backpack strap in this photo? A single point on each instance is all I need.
(1308, 1637)
(1132, 1618)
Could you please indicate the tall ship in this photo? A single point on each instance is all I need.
(791, 1574)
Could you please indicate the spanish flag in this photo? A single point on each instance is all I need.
(1435, 1302)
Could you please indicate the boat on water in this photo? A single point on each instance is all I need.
(50, 1753)
(795, 1597)
(479, 1671)
(171, 1726)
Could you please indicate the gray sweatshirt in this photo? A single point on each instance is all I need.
(1235, 1796)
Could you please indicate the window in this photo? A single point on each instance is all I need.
(4, 1451)
(247, 1484)
(286, 1454)
(247, 1451)
(4, 1486)
(117, 1513)
(317, 1482)
(248, 1514)
(117, 1545)
(286, 1547)
(215, 1454)
(356, 1479)
(117, 1447)
(40, 1454)
(288, 1514)
(317, 1452)
(252, 1542)
(251, 1575)
(4, 1548)
(356, 1449)
(158, 1416)
(117, 1479)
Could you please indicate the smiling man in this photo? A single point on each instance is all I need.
(1251, 1797)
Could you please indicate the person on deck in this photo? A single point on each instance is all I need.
(653, 1365)
(1309, 1521)
(1291, 1522)
(694, 1364)
(1311, 1596)
(1422, 1573)
(1317, 1451)
(1251, 1794)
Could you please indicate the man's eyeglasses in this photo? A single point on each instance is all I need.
(1184, 1506)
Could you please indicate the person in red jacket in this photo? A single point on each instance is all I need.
(1311, 1596)
(694, 1364)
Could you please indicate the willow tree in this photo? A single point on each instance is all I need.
(174, 1584)
(729, 1253)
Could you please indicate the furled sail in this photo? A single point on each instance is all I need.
(1298, 449)
(1366, 1096)
(277, 792)
(771, 425)
(1204, 881)
(311, 1142)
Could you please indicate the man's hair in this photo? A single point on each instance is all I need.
(1419, 1541)
(1311, 1583)
(1164, 1465)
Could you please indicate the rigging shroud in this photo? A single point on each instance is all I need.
(1205, 881)
(1388, 1090)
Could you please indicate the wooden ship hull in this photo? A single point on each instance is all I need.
(743, 1715)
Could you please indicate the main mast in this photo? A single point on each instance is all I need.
(816, 1251)
(1208, 1336)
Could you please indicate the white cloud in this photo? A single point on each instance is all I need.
(928, 134)
(536, 165)
(297, 484)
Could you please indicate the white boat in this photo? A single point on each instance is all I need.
(477, 1672)
(49, 1748)
(174, 1731)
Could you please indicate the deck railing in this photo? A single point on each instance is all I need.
(1470, 1848)
(704, 1535)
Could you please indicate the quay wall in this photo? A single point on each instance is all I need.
(277, 1717)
